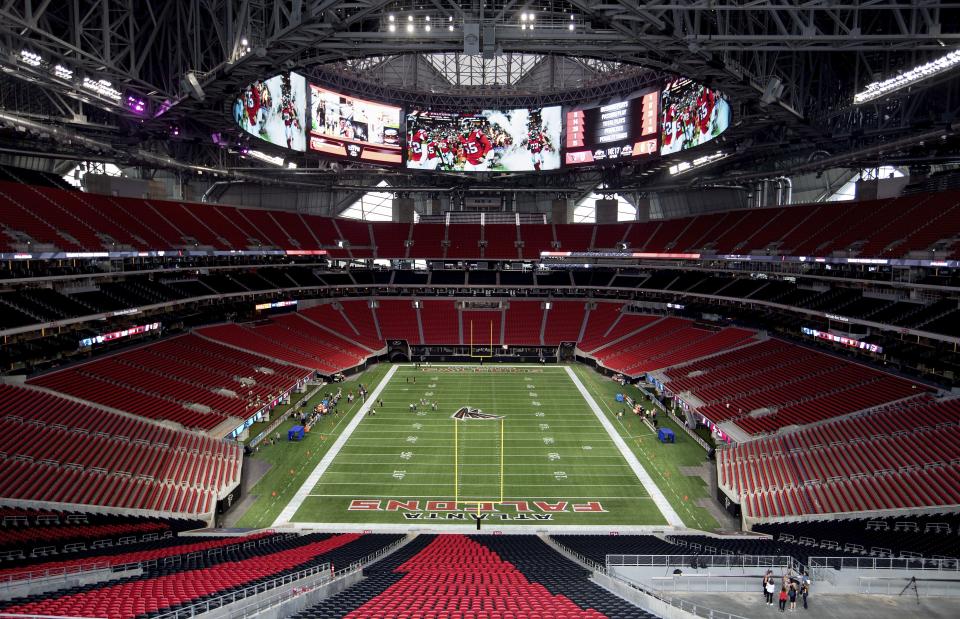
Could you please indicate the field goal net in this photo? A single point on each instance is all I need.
(478, 441)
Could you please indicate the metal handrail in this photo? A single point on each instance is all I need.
(710, 560)
(684, 605)
(886, 563)
(261, 604)
(234, 596)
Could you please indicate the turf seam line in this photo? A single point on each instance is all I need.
(314, 477)
(673, 518)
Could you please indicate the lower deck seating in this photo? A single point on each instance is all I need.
(931, 536)
(203, 577)
(454, 576)
(25, 535)
(145, 552)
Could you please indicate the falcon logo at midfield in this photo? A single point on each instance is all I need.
(468, 412)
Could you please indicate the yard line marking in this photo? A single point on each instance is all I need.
(567, 497)
(381, 484)
(672, 517)
(287, 514)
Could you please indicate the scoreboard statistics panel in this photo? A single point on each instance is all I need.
(618, 131)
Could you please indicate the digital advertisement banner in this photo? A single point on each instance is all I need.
(350, 128)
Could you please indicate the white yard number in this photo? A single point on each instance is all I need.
(411, 439)
(544, 426)
(548, 440)
(552, 456)
(399, 474)
(406, 455)
(559, 475)
(538, 414)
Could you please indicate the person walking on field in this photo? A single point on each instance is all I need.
(804, 592)
(793, 596)
(783, 599)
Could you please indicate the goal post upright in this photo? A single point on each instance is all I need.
(456, 466)
(473, 355)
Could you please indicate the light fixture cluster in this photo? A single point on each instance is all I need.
(136, 104)
(411, 24)
(527, 21)
(244, 47)
(29, 58)
(102, 87)
(880, 89)
(64, 73)
(685, 166)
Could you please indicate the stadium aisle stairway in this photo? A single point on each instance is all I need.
(543, 566)
(203, 577)
(459, 577)
(377, 579)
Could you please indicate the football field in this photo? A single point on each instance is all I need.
(520, 445)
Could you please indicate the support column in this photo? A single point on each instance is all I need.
(643, 209)
(434, 206)
(606, 211)
(562, 212)
(402, 210)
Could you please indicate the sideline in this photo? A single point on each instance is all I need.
(673, 518)
(310, 483)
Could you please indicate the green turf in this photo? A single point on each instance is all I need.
(555, 451)
(662, 461)
(290, 463)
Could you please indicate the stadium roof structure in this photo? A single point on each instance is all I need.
(148, 83)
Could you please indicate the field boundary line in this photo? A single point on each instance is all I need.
(301, 494)
(673, 518)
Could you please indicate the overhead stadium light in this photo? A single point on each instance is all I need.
(63, 72)
(101, 87)
(264, 157)
(880, 89)
(29, 58)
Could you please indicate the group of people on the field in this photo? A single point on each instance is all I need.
(424, 403)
